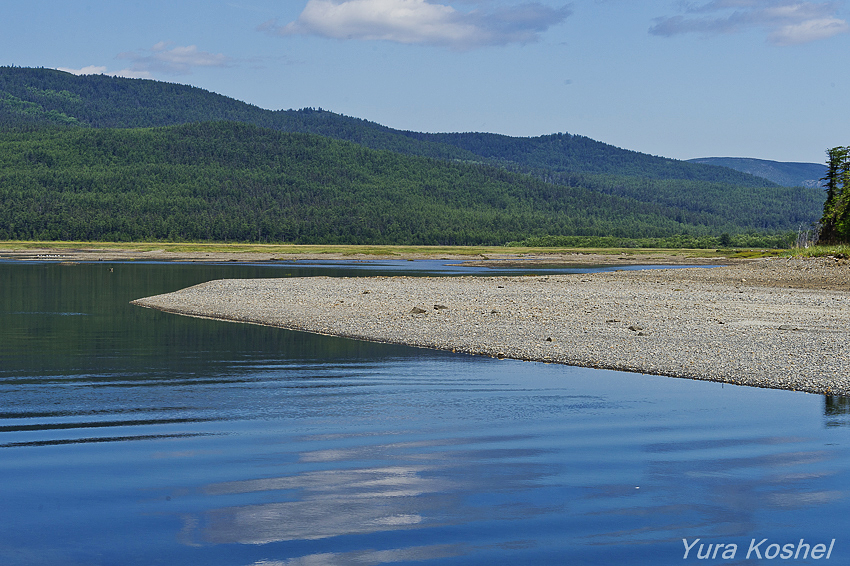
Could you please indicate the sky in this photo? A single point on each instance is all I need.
(706, 78)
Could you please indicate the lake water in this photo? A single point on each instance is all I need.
(130, 436)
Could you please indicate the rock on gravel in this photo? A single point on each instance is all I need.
(779, 323)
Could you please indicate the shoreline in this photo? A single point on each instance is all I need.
(474, 256)
(776, 323)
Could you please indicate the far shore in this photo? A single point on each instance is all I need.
(779, 323)
(264, 253)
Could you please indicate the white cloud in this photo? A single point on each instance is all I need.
(787, 22)
(133, 74)
(90, 70)
(421, 22)
(169, 60)
(161, 58)
(809, 30)
(97, 70)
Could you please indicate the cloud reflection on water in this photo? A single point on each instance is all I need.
(369, 557)
(710, 487)
(420, 489)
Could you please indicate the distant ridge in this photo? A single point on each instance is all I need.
(50, 97)
(785, 173)
(97, 157)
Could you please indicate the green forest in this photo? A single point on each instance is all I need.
(46, 96)
(103, 158)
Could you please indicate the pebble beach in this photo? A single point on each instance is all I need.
(777, 323)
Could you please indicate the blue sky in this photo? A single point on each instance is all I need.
(747, 78)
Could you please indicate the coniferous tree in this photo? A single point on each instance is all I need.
(835, 224)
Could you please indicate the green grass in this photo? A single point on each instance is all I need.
(351, 250)
(752, 253)
(838, 250)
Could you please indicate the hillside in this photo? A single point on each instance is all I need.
(560, 153)
(787, 174)
(66, 174)
(227, 181)
(46, 96)
(234, 182)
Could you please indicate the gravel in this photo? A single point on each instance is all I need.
(778, 323)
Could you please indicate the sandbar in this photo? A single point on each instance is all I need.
(777, 323)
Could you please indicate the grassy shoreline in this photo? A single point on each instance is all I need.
(242, 252)
(837, 250)
(197, 251)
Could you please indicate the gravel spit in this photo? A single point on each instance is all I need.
(778, 323)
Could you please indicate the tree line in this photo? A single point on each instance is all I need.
(835, 223)
(227, 181)
(550, 177)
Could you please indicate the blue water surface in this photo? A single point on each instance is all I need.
(130, 436)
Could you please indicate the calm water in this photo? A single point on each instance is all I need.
(130, 436)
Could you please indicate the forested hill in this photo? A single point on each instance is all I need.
(45, 96)
(227, 181)
(38, 97)
(562, 153)
(787, 174)
(99, 157)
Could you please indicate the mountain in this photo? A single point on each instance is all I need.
(227, 181)
(573, 153)
(787, 174)
(46, 96)
(98, 157)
